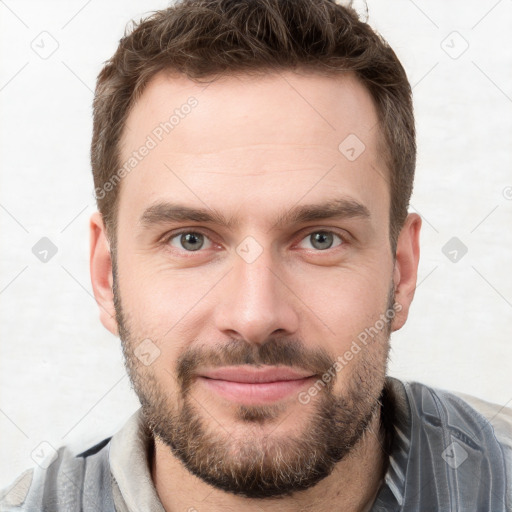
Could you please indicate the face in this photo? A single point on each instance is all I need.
(254, 285)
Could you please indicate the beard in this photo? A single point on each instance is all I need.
(253, 459)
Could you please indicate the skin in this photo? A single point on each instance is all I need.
(253, 149)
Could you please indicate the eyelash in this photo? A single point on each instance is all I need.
(166, 239)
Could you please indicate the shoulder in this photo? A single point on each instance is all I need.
(472, 415)
(445, 442)
(481, 427)
(499, 416)
(463, 410)
(60, 478)
(15, 494)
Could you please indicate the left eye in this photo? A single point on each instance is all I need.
(190, 241)
(322, 240)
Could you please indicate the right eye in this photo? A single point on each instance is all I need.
(189, 241)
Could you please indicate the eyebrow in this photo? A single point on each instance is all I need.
(165, 212)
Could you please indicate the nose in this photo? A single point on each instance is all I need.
(256, 301)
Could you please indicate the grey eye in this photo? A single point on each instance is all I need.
(322, 240)
(189, 240)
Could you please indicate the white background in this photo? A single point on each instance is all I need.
(62, 378)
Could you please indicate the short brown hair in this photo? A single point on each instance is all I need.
(209, 38)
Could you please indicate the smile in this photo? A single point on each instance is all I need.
(252, 386)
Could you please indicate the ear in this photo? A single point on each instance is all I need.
(405, 272)
(101, 272)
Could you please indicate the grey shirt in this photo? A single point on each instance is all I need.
(446, 453)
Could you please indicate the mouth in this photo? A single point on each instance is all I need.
(249, 385)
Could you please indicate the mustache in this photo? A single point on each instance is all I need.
(275, 352)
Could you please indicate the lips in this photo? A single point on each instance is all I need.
(249, 385)
(250, 375)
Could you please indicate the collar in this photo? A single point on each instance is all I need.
(396, 423)
(130, 455)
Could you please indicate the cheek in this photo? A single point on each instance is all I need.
(154, 298)
(352, 306)
(347, 299)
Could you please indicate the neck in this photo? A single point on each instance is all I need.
(352, 486)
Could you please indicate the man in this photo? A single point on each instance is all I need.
(253, 164)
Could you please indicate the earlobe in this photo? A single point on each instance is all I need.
(101, 272)
(405, 273)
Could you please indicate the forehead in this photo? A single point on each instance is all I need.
(242, 139)
(305, 105)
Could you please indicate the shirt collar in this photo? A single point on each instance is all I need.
(396, 420)
(129, 455)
